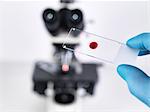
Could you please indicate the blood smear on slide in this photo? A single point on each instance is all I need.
(93, 45)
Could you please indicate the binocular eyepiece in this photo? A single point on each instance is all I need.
(63, 20)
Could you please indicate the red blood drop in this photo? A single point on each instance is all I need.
(93, 45)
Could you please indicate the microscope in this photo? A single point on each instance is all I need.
(66, 75)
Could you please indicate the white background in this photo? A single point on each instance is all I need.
(24, 39)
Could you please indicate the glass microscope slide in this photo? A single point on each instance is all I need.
(102, 48)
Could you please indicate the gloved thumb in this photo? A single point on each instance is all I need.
(138, 82)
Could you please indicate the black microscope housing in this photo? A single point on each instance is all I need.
(65, 83)
(63, 20)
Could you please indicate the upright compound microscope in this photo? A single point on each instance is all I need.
(66, 75)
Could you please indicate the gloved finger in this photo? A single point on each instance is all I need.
(143, 52)
(138, 82)
(141, 42)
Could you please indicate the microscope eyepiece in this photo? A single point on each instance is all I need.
(63, 20)
(49, 15)
(76, 16)
(75, 20)
(52, 22)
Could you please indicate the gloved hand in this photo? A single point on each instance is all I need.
(138, 82)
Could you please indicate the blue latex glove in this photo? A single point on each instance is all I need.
(138, 82)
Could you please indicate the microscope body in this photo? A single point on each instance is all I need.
(66, 74)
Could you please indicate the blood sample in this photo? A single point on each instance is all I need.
(93, 45)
